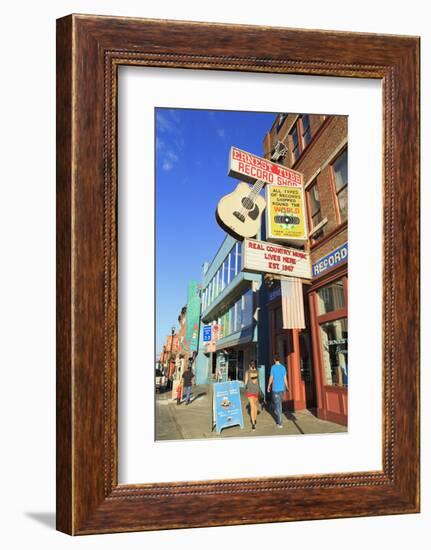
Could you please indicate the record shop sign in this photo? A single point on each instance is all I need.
(264, 257)
(331, 260)
(247, 167)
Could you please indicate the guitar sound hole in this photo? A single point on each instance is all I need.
(239, 216)
(254, 213)
(247, 203)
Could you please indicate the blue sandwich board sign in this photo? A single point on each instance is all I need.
(227, 405)
(207, 333)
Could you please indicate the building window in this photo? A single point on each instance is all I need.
(295, 141)
(330, 298)
(225, 324)
(231, 258)
(239, 314)
(225, 273)
(220, 279)
(235, 365)
(306, 130)
(334, 347)
(306, 357)
(281, 119)
(233, 320)
(339, 168)
(314, 210)
(247, 309)
(238, 257)
(213, 289)
(216, 284)
(332, 326)
(230, 267)
(300, 136)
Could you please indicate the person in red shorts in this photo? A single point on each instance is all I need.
(252, 391)
(179, 394)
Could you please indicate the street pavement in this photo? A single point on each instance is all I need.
(193, 421)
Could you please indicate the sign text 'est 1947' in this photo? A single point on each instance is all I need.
(264, 257)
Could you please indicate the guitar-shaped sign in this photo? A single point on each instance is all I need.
(240, 212)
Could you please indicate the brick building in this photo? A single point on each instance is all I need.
(316, 357)
(168, 355)
(183, 355)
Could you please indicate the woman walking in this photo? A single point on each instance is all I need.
(252, 390)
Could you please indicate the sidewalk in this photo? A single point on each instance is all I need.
(193, 421)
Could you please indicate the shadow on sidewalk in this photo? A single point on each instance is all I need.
(197, 396)
(290, 416)
(287, 414)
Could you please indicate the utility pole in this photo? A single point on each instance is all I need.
(170, 357)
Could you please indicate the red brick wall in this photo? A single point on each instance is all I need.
(328, 246)
(327, 133)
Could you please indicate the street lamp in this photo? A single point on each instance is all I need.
(170, 353)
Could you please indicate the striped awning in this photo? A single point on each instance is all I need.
(292, 303)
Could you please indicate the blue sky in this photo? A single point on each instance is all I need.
(192, 151)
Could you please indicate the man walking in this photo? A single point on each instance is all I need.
(278, 382)
(187, 383)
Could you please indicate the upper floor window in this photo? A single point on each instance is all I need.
(281, 119)
(306, 130)
(220, 279)
(227, 271)
(300, 136)
(339, 168)
(314, 205)
(216, 285)
(295, 140)
(238, 257)
(204, 301)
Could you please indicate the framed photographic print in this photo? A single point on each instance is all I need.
(237, 264)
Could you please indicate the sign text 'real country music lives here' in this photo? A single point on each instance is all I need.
(249, 168)
(264, 257)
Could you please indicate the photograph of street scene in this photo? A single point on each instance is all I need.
(251, 274)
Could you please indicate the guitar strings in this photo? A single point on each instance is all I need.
(255, 190)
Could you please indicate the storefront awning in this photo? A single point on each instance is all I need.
(244, 336)
(229, 295)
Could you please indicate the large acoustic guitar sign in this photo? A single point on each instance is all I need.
(240, 212)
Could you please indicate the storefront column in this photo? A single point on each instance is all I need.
(297, 389)
(316, 354)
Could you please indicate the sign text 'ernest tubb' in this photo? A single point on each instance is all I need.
(249, 168)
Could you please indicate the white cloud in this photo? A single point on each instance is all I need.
(160, 144)
(164, 122)
(171, 155)
(167, 165)
(169, 147)
(175, 115)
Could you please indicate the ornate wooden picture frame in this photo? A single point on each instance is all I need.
(89, 51)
